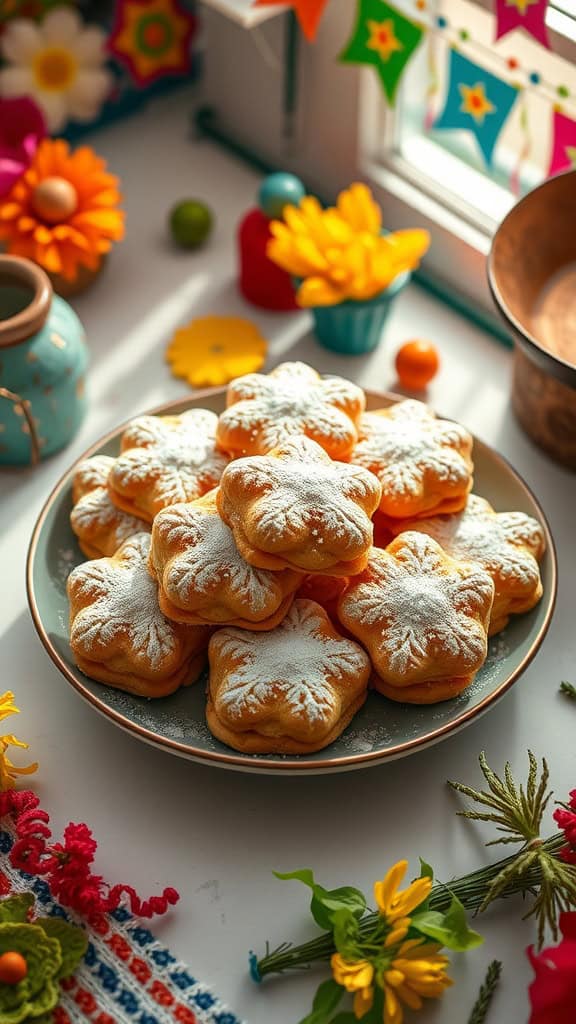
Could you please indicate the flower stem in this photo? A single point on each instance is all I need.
(568, 690)
(486, 993)
(471, 890)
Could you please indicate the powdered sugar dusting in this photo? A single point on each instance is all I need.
(123, 604)
(505, 544)
(292, 401)
(202, 557)
(296, 662)
(175, 454)
(92, 473)
(304, 490)
(405, 444)
(95, 512)
(421, 606)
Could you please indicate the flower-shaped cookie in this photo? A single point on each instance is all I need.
(506, 544)
(99, 526)
(297, 509)
(290, 690)
(423, 463)
(264, 411)
(204, 579)
(422, 616)
(166, 459)
(118, 634)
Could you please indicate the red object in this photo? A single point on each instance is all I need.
(553, 991)
(67, 866)
(567, 821)
(308, 12)
(13, 968)
(417, 363)
(261, 282)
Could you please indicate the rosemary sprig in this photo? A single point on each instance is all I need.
(518, 814)
(568, 690)
(486, 993)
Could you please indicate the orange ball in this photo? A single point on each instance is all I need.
(417, 362)
(13, 968)
(54, 199)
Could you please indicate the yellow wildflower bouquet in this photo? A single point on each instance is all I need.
(394, 963)
(340, 253)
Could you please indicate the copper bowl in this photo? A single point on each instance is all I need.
(532, 276)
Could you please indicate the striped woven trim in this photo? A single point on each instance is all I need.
(127, 977)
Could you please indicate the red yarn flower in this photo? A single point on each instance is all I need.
(553, 991)
(67, 866)
(566, 819)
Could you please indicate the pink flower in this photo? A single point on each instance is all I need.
(553, 991)
(566, 820)
(22, 126)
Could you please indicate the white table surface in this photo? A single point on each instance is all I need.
(213, 834)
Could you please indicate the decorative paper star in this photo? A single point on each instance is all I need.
(308, 12)
(152, 38)
(521, 5)
(383, 39)
(475, 102)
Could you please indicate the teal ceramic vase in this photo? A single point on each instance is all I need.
(43, 358)
(354, 328)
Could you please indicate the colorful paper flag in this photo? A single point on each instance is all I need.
(564, 144)
(384, 38)
(527, 14)
(477, 101)
(308, 12)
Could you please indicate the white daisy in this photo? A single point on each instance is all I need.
(58, 63)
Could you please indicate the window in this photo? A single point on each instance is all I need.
(441, 175)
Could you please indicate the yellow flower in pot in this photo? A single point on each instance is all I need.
(348, 269)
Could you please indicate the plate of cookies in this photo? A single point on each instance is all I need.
(291, 575)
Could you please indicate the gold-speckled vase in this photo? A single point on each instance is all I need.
(43, 359)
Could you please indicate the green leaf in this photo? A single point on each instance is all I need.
(73, 942)
(325, 902)
(326, 1000)
(450, 929)
(15, 908)
(345, 934)
(425, 870)
(346, 1018)
(304, 875)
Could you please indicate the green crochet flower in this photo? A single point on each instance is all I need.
(52, 949)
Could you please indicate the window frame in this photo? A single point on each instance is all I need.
(461, 232)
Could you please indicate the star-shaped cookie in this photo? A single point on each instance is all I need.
(99, 526)
(507, 545)
(297, 509)
(166, 459)
(423, 463)
(266, 410)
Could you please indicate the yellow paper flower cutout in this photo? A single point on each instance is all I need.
(475, 102)
(212, 350)
(9, 772)
(383, 39)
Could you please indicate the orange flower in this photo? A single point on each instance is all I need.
(63, 212)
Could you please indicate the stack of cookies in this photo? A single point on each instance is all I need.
(305, 548)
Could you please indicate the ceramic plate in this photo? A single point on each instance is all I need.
(380, 731)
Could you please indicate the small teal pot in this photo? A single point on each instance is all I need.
(354, 328)
(43, 359)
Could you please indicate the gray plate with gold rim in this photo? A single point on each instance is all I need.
(382, 730)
